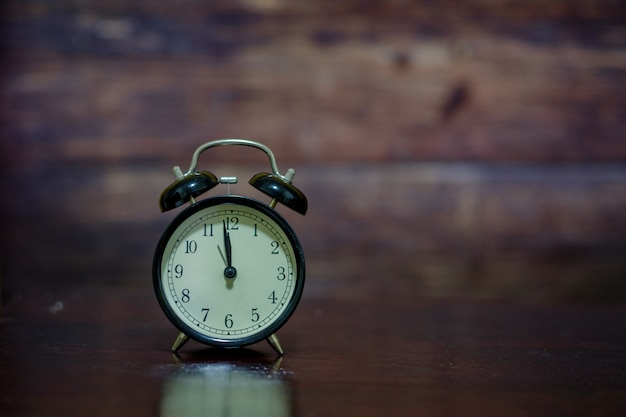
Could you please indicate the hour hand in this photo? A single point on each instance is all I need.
(230, 271)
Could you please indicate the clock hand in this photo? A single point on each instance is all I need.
(230, 271)
(222, 255)
(227, 245)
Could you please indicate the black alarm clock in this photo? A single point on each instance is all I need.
(229, 270)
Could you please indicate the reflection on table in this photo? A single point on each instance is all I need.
(226, 389)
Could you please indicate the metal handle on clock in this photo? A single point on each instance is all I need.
(243, 142)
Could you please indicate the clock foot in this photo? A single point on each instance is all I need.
(181, 339)
(275, 344)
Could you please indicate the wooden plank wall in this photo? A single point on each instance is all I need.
(451, 148)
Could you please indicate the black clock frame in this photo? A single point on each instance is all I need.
(291, 305)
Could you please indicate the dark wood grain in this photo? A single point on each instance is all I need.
(104, 352)
(468, 148)
(465, 169)
(518, 232)
(347, 81)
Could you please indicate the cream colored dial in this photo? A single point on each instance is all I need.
(231, 271)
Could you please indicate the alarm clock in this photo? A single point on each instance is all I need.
(229, 270)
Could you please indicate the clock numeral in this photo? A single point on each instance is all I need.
(255, 315)
(208, 231)
(275, 246)
(232, 223)
(206, 313)
(256, 230)
(178, 271)
(228, 321)
(185, 296)
(281, 273)
(191, 246)
(272, 297)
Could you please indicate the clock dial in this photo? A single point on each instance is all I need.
(229, 271)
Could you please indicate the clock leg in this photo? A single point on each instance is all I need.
(275, 344)
(181, 339)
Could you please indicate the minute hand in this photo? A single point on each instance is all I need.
(230, 271)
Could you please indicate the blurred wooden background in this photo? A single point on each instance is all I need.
(448, 148)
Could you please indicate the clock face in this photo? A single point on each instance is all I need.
(228, 271)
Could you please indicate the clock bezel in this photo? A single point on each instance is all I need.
(299, 271)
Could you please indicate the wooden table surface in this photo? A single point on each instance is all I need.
(104, 352)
